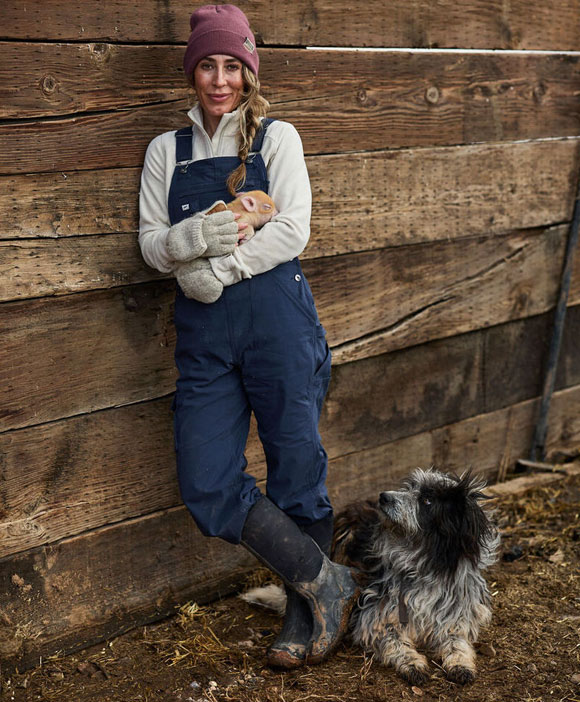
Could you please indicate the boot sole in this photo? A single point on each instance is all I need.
(284, 660)
(320, 657)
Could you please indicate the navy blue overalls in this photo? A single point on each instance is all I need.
(260, 347)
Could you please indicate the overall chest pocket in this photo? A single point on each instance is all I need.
(191, 203)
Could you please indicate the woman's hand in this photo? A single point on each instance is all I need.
(217, 250)
(197, 280)
(222, 233)
(204, 235)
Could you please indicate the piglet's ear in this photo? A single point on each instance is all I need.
(249, 203)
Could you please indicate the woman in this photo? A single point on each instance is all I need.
(248, 335)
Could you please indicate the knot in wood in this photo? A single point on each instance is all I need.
(48, 84)
(432, 95)
(539, 92)
(129, 302)
(361, 96)
(100, 51)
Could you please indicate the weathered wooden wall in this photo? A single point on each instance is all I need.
(443, 188)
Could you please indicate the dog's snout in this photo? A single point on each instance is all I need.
(385, 498)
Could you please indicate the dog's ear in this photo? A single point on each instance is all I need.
(458, 527)
(476, 527)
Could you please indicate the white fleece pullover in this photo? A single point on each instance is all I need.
(283, 238)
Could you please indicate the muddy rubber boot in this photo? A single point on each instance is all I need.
(329, 589)
(331, 597)
(291, 645)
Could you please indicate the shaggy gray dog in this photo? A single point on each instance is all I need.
(421, 550)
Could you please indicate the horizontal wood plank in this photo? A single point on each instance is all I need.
(422, 23)
(50, 80)
(438, 199)
(78, 353)
(89, 471)
(80, 591)
(96, 585)
(70, 204)
(86, 472)
(361, 201)
(105, 467)
(370, 302)
(357, 101)
(410, 196)
(37, 268)
(489, 444)
(444, 381)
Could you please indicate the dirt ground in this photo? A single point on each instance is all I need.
(214, 653)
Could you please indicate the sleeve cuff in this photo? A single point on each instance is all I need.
(224, 270)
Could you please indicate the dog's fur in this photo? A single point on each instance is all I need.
(421, 550)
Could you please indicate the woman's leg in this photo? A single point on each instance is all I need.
(211, 421)
(286, 378)
(211, 429)
(286, 387)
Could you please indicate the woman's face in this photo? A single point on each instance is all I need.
(218, 83)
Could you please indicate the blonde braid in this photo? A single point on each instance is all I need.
(252, 108)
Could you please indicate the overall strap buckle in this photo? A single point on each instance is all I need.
(184, 145)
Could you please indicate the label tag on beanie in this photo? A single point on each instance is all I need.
(249, 46)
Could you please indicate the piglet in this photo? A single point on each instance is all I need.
(254, 207)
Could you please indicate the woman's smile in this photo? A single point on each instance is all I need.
(220, 97)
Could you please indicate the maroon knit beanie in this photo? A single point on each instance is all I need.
(220, 29)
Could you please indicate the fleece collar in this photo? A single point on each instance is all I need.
(228, 125)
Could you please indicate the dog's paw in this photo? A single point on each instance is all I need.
(414, 675)
(461, 675)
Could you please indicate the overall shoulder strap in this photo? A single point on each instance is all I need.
(184, 144)
(260, 134)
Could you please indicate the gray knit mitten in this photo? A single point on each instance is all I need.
(198, 281)
(203, 235)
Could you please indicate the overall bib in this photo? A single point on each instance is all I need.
(260, 347)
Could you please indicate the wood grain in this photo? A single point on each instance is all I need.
(37, 268)
(356, 101)
(348, 220)
(487, 443)
(89, 471)
(444, 381)
(78, 353)
(50, 80)
(99, 584)
(96, 585)
(105, 467)
(477, 24)
(370, 302)
(70, 204)
(361, 201)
